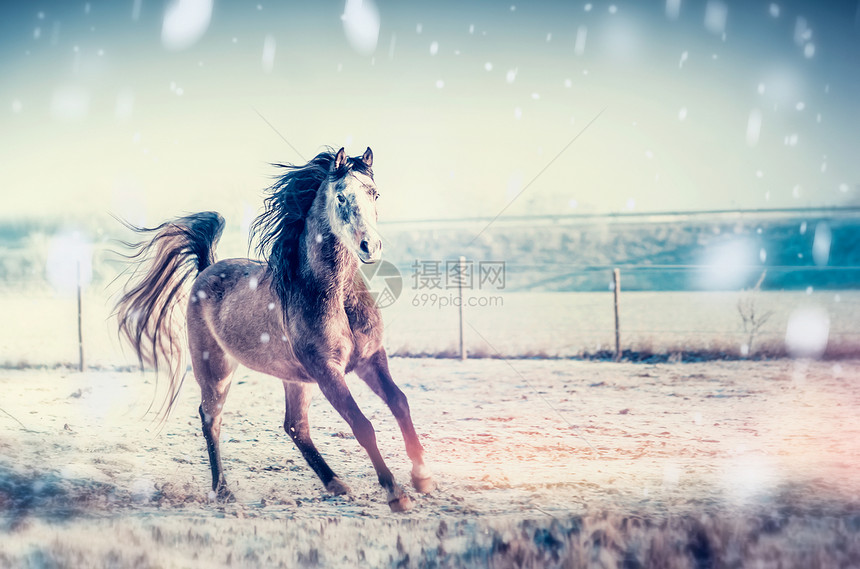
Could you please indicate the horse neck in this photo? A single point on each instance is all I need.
(326, 262)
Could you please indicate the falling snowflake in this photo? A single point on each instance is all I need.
(185, 22)
(581, 35)
(807, 332)
(802, 32)
(268, 59)
(518, 113)
(264, 338)
(440, 83)
(753, 127)
(774, 10)
(252, 283)
(682, 114)
(716, 14)
(684, 56)
(673, 9)
(361, 25)
(488, 66)
(511, 75)
(434, 48)
(821, 242)
(587, 7)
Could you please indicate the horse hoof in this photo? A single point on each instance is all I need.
(424, 485)
(401, 504)
(224, 495)
(336, 487)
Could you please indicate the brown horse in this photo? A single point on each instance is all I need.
(304, 316)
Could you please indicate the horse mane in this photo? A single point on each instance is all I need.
(285, 210)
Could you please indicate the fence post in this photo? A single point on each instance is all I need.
(461, 271)
(616, 279)
(80, 327)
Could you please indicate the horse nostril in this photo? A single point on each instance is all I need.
(365, 247)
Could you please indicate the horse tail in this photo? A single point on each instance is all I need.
(146, 311)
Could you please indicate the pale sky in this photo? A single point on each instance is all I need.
(150, 109)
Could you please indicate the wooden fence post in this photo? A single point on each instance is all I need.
(461, 271)
(80, 325)
(616, 279)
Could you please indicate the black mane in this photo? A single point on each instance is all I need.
(286, 207)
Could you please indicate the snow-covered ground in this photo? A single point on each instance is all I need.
(539, 463)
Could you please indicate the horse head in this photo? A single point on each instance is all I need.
(350, 197)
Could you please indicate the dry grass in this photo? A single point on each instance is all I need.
(37, 510)
(647, 352)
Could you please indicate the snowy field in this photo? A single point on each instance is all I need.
(41, 326)
(539, 464)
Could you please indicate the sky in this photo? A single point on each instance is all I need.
(149, 110)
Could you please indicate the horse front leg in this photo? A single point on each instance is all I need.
(374, 372)
(296, 425)
(333, 386)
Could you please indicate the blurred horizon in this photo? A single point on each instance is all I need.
(149, 110)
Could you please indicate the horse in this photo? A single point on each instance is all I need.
(302, 314)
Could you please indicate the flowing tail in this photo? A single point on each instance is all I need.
(146, 312)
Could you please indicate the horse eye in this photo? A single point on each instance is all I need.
(375, 197)
(341, 199)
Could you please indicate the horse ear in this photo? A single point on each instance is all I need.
(367, 157)
(339, 159)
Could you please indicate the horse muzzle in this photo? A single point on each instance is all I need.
(370, 250)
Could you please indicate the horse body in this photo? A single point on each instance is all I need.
(304, 316)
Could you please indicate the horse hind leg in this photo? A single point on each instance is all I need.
(374, 372)
(298, 398)
(213, 370)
